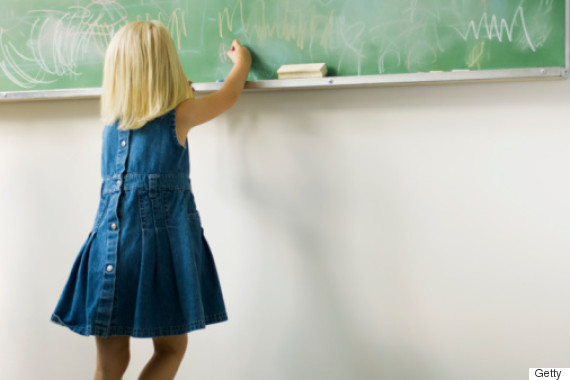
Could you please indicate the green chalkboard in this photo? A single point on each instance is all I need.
(59, 44)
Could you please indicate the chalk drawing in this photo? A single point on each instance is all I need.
(61, 40)
(352, 44)
(355, 38)
(411, 41)
(476, 56)
(11, 65)
(294, 24)
(492, 28)
(175, 22)
(58, 40)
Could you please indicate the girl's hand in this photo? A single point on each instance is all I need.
(239, 54)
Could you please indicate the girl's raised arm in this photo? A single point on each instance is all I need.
(193, 112)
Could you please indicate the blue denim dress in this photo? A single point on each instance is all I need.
(146, 269)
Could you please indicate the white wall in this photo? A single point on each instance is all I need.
(403, 233)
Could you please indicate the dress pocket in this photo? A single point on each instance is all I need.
(192, 213)
(145, 210)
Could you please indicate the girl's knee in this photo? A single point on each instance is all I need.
(171, 345)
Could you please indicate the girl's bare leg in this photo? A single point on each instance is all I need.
(113, 356)
(168, 353)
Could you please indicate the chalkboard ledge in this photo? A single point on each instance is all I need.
(398, 79)
(76, 93)
(454, 76)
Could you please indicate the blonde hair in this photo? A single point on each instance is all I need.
(143, 77)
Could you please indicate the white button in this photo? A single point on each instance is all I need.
(123, 143)
(119, 182)
(109, 268)
(113, 226)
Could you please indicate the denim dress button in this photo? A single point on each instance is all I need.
(109, 268)
(123, 143)
(113, 226)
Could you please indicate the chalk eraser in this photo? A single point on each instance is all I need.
(302, 70)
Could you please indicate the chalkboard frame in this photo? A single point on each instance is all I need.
(455, 76)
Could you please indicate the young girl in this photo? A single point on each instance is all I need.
(146, 269)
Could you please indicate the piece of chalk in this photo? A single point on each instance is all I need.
(220, 81)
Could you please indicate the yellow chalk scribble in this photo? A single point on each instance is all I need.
(175, 22)
(476, 56)
(299, 28)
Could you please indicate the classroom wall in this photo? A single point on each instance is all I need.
(381, 233)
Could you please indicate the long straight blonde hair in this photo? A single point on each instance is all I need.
(143, 77)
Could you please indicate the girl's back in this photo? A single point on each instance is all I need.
(153, 149)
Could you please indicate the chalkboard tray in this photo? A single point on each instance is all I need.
(329, 82)
(56, 50)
